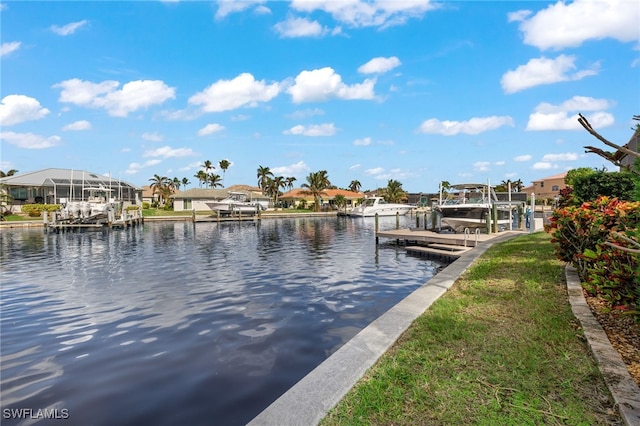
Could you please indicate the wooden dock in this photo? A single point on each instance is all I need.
(440, 244)
(430, 237)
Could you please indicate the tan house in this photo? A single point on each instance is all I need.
(197, 198)
(299, 196)
(547, 188)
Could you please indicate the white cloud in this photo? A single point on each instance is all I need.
(356, 13)
(9, 47)
(362, 142)
(473, 126)
(135, 168)
(242, 91)
(523, 158)
(563, 25)
(78, 125)
(374, 171)
(29, 140)
(481, 166)
(500, 163)
(168, 152)
(539, 71)
(210, 129)
(16, 109)
(227, 7)
(567, 156)
(305, 113)
(576, 103)
(300, 27)
(152, 137)
(69, 28)
(565, 115)
(541, 165)
(323, 84)
(133, 96)
(325, 129)
(379, 65)
(355, 166)
(296, 170)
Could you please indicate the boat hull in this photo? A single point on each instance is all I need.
(466, 216)
(387, 211)
(228, 209)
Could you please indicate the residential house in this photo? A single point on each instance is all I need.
(301, 197)
(547, 188)
(54, 186)
(197, 198)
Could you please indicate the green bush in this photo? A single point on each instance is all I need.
(590, 186)
(35, 210)
(595, 237)
(146, 205)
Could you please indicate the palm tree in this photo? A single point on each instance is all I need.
(518, 186)
(9, 173)
(215, 180)
(185, 182)
(340, 201)
(263, 175)
(202, 177)
(208, 165)
(290, 181)
(394, 193)
(224, 165)
(274, 186)
(176, 183)
(317, 182)
(159, 185)
(355, 186)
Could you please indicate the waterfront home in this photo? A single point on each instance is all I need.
(197, 198)
(299, 197)
(53, 186)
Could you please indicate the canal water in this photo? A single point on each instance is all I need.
(182, 323)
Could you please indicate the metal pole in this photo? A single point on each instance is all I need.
(532, 215)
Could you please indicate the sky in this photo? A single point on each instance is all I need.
(417, 91)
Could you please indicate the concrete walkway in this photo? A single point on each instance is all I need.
(309, 400)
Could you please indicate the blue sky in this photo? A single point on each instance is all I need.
(414, 90)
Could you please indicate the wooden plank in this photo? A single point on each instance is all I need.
(447, 247)
(428, 250)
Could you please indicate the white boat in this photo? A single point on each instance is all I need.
(377, 205)
(469, 206)
(236, 203)
(94, 208)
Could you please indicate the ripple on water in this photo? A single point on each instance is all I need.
(180, 324)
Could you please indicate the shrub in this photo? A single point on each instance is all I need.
(35, 210)
(590, 186)
(589, 237)
(146, 205)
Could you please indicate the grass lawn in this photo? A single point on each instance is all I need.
(18, 218)
(502, 347)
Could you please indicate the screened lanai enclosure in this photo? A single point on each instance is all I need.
(55, 186)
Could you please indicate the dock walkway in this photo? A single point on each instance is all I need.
(431, 243)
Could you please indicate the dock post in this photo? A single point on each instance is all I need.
(397, 220)
(494, 214)
(417, 220)
(376, 227)
(193, 215)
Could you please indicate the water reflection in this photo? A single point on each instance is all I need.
(172, 323)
